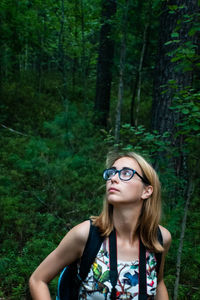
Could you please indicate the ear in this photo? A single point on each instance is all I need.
(147, 192)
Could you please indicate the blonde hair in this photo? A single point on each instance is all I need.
(149, 218)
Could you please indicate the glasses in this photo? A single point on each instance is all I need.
(125, 174)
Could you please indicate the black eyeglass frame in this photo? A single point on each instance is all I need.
(119, 173)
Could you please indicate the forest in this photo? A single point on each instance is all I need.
(77, 79)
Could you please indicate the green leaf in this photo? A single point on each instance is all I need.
(185, 111)
(174, 35)
(196, 127)
(173, 7)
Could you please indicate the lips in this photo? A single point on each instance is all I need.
(112, 190)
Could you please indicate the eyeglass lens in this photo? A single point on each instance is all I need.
(124, 174)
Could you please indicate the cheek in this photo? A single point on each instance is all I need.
(135, 190)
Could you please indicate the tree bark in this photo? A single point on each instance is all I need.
(83, 72)
(121, 76)
(120, 91)
(75, 60)
(105, 62)
(61, 54)
(139, 78)
(163, 118)
(132, 118)
(183, 226)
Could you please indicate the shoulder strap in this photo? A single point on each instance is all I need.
(92, 247)
(142, 272)
(69, 280)
(113, 262)
(159, 255)
(160, 237)
(114, 272)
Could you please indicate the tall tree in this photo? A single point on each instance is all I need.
(174, 75)
(137, 85)
(172, 27)
(105, 62)
(121, 72)
(61, 53)
(183, 226)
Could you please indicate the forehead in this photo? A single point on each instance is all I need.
(126, 162)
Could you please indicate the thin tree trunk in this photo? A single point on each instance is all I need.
(133, 99)
(121, 76)
(75, 60)
(120, 91)
(61, 55)
(83, 49)
(105, 62)
(135, 102)
(140, 71)
(183, 226)
(26, 58)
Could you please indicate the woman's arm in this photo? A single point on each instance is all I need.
(68, 251)
(161, 293)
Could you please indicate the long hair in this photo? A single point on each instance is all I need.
(149, 218)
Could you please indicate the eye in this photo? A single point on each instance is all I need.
(111, 172)
(126, 173)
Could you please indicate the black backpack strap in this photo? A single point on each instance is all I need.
(142, 272)
(113, 263)
(142, 265)
(159, 235)
(92, 247)
(159, 255)
(69, 280)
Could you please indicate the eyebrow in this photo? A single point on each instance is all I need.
(122, 168)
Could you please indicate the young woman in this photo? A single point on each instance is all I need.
(132, 206)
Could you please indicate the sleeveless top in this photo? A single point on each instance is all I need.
(97, 285)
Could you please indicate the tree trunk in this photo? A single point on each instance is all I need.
(121, 76)
(105, 62)
(132, 118)
(139, 76)
(163, 118)
(83, 73)
(61, 55)
(75, 60)
(120, 91)
(183, 226)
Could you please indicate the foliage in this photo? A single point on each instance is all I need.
(47, 180)
(52, 152)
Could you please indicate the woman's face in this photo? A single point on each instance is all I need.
(131, 191)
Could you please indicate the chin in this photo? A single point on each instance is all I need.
(115, 201)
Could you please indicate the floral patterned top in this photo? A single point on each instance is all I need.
(97, 285)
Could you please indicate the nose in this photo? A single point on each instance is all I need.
(115, 177)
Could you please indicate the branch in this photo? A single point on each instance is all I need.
(12, 130)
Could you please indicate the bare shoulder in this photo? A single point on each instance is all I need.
(166, 237)
(74, 241)
(79, 232)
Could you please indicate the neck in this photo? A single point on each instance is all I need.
(125, 220)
